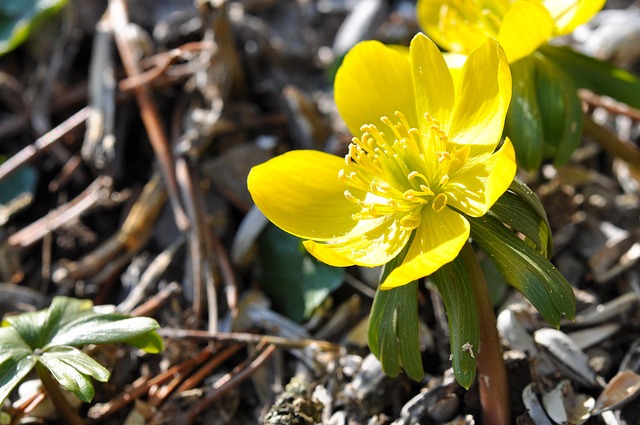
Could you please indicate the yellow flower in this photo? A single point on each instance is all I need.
(425, 155)
(520, 26)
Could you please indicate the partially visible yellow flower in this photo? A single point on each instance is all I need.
(425, 156)
(520, 26)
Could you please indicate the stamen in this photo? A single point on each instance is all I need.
(426, 190)
(415, 196)
(400, 170)
(412, 175)
(439, 202)
(393, 128)
(411, 221)
(403, 119)
(460, 157)
(351, 198)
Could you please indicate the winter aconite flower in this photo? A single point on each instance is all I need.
(520, 26)
(423, 158)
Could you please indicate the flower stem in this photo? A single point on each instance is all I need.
(61, 404)
(492, 373)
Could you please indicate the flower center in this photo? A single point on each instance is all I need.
(400, 171)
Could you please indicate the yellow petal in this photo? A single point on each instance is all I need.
(455, 63)
(503, 170)
(437, 242)
(459, 27)
(327, 255)
(482, 181)
(568, 14)
(466, 190)
(431, 79)
(300, 192)
(482, 100)
(374, 248)
(374, 81)
(524, 28)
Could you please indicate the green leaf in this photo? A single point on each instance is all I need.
(497, 286)
(518, 214)
(44, 339)
(560, 109)
(525, 269)
(12, 344)
(150, 342)
(452, 281)
(393, 326)
(102, 329)
(68, 376)
(596, 75)
(29, 326)
(393, 331)
(523, 123)
(69, 321)
(80, 361)
(526, 194)
(37, 328)
(13, 370)
(296, 282)
(18, 18)
(15, 361)
(62, 311)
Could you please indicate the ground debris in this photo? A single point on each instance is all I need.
(295, 406)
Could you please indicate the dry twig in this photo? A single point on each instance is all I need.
(148, 110)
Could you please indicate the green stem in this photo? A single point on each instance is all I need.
(492, 373)
(61, 404)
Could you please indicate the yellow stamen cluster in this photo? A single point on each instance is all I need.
(400, 171)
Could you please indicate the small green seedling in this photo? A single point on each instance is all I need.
(48, 341)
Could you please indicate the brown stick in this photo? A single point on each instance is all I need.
(611, 143)
(148, 110)
(149, 307)
(239, 374)
(207, 368)
(228, 275)
(140, 387)
(93, 195)
(161, 63)
(609, 104)
(247, 338)
(43, 143)
(131, 237)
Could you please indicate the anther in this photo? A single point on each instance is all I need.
(410, 221)
(402, 118)
(350, 197)
(426, 190)
(412, 175)
(439, 202)
(409, 195)
(442, 156)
